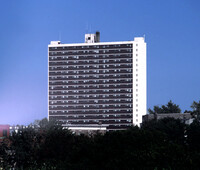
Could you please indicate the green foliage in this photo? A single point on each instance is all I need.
(164, 144)
(43, 123)
(173, 129)
(196, 109)
(187, 111)
(170, 107)
(195, 112)
(193, 136)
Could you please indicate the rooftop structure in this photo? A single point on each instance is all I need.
(186, 117)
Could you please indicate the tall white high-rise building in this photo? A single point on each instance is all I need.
(97, 85)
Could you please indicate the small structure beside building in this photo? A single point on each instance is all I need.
(20, 128)
(185, 117)
(4, 131)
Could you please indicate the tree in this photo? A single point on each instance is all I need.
(173, 128)
(164, 144)
(36, 148)
(20, 150)
(196, 109)
(187, 111)
(193, 136)
(43, 123)
(170, 107)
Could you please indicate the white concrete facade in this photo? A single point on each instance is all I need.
(139, 80)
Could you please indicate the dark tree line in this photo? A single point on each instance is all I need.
(171, 107)
(163, 144)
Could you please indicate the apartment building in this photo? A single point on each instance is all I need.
(97, 85)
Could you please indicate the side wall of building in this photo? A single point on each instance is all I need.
(139, 80)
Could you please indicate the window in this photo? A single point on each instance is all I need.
(5, 133)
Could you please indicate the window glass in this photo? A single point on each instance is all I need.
(5, 133)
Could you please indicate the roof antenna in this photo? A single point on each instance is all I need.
(90, 29)
(86, 29)
(59, 36)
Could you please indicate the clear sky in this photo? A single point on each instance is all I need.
(171, 28)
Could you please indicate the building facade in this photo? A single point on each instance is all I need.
(4, 132)
(97, 85)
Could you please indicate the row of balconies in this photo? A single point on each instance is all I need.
(82, 87)
(96, 117)
(89, 82)
(75, 102)
(94, 120)
(88, 92)
(92, 112)
(105, 122)
(94, 76)
(100, 106)
(90, 57)
(89, 52)
(86, 47)
(92, 67)
(85, 62)
(90, 97)
(83, 72)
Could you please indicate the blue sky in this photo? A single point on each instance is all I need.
(171, 28)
